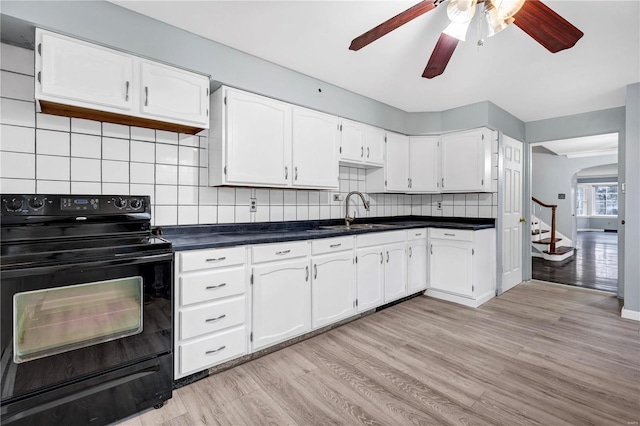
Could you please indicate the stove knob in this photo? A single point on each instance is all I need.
(36, 203)
(135, 203)
(120, 203)
(14, 204)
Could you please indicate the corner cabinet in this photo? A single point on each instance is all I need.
(75, 78)
(417, 257)
(361, 145)
(466, 161)
(260, 142)
(462, 265)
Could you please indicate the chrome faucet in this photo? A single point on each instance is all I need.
(348, 219)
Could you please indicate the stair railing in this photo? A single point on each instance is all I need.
(553, 207)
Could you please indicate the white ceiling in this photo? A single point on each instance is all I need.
(589, 146)
(511, 70)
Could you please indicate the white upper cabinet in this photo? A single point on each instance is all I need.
(315, 149)
(257, 138)
(397, 165)
(171, 93)
(466, 161)
(79, 79)
(424, 164)
(361, 144)
(79, 73)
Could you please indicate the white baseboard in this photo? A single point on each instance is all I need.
(629, 314)
(590, 230)
(466, 301)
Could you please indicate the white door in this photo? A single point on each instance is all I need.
(395, 271)
(315, 149)
(174, 94)
(451, 266)
(416, 266)
(512, 214)
(397, 162)
(464, 157)
(352, 142)
(332, 288)
(424, 164)
(89, 74)
(281, 302)
(374, 142)
(258, 140)
(370, 277)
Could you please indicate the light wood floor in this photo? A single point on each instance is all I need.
(539, 354)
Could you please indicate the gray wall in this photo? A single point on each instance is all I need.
(597, 223)
(632, 200)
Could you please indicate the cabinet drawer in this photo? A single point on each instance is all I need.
(451, 234)
(207, 319)
(211, 285)
(380, 238)
(330, 245)
(213, 350)
(213, 258)
(279, 251)
(417, 234)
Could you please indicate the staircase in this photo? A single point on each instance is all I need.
(546, 241)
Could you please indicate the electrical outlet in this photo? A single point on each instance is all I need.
(337, 197)
(439, 205)
(254, 205)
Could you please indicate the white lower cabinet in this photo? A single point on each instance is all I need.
(416, 260)
(281, 301)
(395, 271)
(370, 277)
(332, 288)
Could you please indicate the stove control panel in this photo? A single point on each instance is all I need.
(65, 205)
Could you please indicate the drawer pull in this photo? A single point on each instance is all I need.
(335, 245)
(280, 253)
(215, 319)
(419, 235)
(449, 235)
(215, 350)
(216, 259)
(213, 287)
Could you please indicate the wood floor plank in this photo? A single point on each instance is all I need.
(540, 354)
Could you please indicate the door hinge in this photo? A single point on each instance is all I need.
(438, 143)
(473, 288)
(385, 139)
(482, 182)
(40, 49)
(473, 252)
(483, 136)
(340, 150)
(225, 100)
(385, 183)
(356, 302)
(207, 112)
(251, 279)
(225, 170)
(251, 337)
(206, 91)
(39, 76)
(356, 259)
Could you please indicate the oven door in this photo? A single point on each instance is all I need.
(71, 322)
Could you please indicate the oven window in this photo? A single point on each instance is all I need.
(51, 321)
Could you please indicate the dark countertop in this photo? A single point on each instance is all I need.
(191, 237)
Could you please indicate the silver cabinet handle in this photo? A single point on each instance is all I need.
(286, 172)
(215, 350)
(306, 278)
(381, 258)
(408, 183)
(443, 182)
(215, 319)
(315, 271)
(335, 245)
(146, 96)
(295, 177)
(368, 152)
(213, 287)
(126, 91)
(449, 235)
(280, 253)
(361, 151)
(387, 257)
(410, 252)
(215, 259)
(431, 248)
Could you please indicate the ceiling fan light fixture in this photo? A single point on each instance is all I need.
(494, 23)
(505, 9)
(457, 31)
(459, 16)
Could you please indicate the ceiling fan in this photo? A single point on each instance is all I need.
(532, 16)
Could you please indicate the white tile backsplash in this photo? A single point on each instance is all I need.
(49, 154)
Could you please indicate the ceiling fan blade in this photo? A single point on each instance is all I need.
(393, 23)
(440, 56)
(547, 27)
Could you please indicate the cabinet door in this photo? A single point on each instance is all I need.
(352, 142)
(370, 277)
(374, 142)
(174, 94)
(332, 288)
(397, 162)
(93, 76)
(315, 141)
(450, 266)
(466, 161)
(258, 140)
(395, 272)
(281, 302)
(416, 266)
(424, 164)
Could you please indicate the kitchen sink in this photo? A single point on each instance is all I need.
(357, 226)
